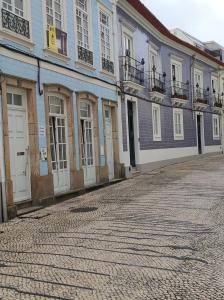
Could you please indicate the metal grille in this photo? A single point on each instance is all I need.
(85, 55)
(15, 23)
(107, 65)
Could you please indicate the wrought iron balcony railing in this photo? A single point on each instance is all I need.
(132, 70)
(15, 23)
(217, 100)
(179, 90)
(157, 82)
(107, 65)
(61, 38)
(201, 95)
(85, 55)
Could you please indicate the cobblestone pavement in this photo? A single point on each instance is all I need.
(157, 236)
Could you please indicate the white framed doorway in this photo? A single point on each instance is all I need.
(200, 132)
(87, 142)
(59, 142)
(109, 141)
(19, 143)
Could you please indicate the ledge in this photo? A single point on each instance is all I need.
(200, 106)
(132, 86)
(48, 52)
(16, 38)
(157, 96)
(179, 102)
(108, 74)
(84, 65)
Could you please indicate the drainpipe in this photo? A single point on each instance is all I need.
(2, 167)
(193, 58)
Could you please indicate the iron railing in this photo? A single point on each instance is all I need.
(15, 23)
(179, 90)
(157, 81)
(201, 95)
(107, 65)
(132, 70)
(85, 55)
(217, 99)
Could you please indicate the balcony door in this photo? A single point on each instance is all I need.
(176, 76)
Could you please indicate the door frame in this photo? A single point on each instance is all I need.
(68, 96)
(134, 101)
(87, 96)
(202, 131)
(24, 109)
(30, 88)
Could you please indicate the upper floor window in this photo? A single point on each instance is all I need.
(154, 60)
(198, 78)
(83, 31)
(105, 39)
(56, 37)
(214, 85)
(176, 71)
(14, 17)
(216, 127)
(15, 6)
(127, 46)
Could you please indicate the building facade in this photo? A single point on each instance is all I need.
(171, 94)
(59, 98)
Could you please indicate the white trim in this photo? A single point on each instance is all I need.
(214, 148)
(176, 58)
(202, 131)
(180, 136)
(154, 155)
(177, 64)
(200, 73)
(217, 118)
(156, 137)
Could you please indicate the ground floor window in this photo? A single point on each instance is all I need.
(216, 127)
(178, 124)
(156, 122)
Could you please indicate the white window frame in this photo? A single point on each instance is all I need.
(15, 37)
(199, 73)
(178, 65)
(215, 80)
(89, 18)
(103, 9)
(178, 136)
(154, 51)
(63, 16)
(156, 123)
(216, 125)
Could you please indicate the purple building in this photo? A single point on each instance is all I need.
(171, 93)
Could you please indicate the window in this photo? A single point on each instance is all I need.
(176, 71)
(156, 122)
(14, 6)
(178, 124)
(127, 45)
(105, 40)
(198, 78)
(216, 127)
(56, 37)
(154, 60)
(82, 23)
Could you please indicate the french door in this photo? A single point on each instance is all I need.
(109, 142)
(59, 144)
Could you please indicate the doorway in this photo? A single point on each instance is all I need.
(109, 142)
(200, 133)
(59, 143)
(19, 144)
(131, 130)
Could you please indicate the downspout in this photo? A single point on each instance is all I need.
(2, 165)
(193, 58)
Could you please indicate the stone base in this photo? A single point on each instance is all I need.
(77, 179)
(11, 212)
(42, 187)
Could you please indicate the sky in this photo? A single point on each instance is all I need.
(204, 19)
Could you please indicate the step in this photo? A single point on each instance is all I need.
(27, 210)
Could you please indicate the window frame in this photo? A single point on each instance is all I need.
(179, 65)
(111, 36)
(215, 117)
(157, 137)
(178, 136)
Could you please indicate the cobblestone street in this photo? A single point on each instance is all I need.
(157, 236)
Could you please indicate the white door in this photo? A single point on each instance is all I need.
(18, 144)
(59, 143)
(109, 142)
(87, 144)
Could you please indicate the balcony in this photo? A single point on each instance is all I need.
(157, 88)
(61, 42)
(179, 93)
(217, 102)
(85, 55)
(107, 65)
(201, 98)
(132, 74)
(15, 23)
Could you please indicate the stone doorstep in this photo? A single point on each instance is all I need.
(62, 197)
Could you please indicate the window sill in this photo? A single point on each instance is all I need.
(108, 74)
(216, 138)
(179, 138)
(50, 53)
(84, 65)
(17, 38)
(157, 139)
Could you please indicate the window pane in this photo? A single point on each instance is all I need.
(17, 100)
(9, 99)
